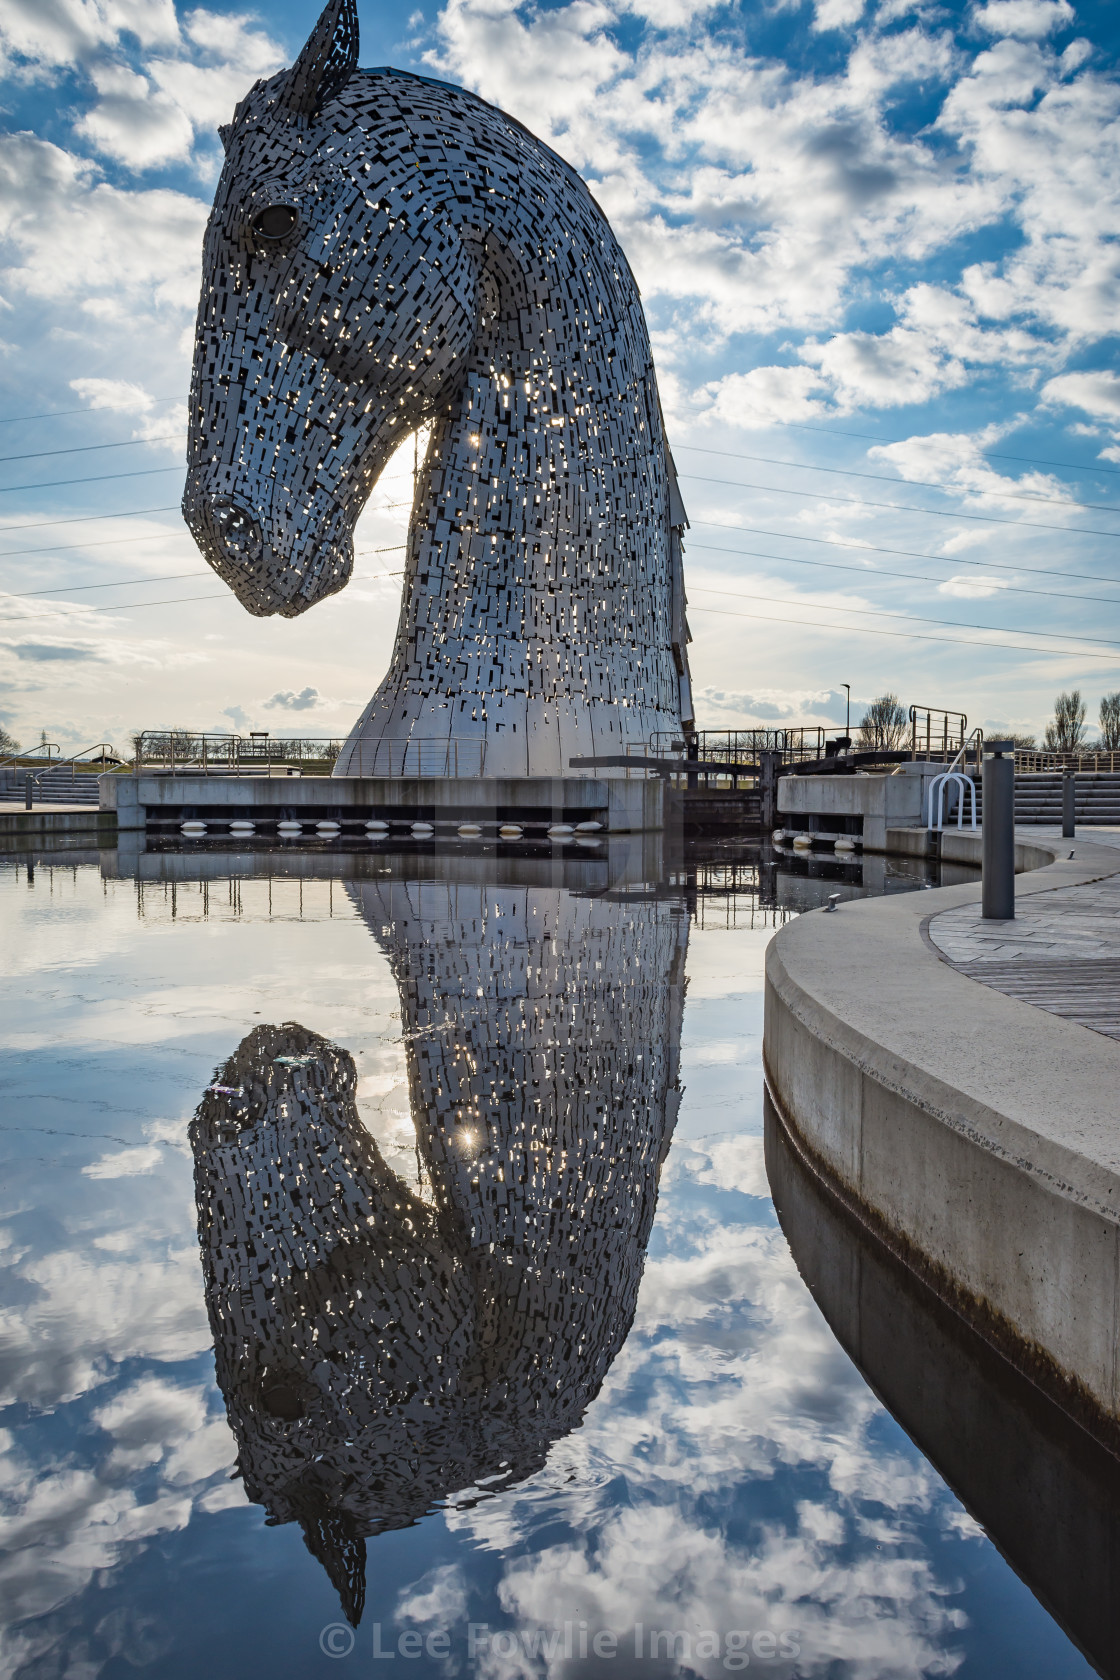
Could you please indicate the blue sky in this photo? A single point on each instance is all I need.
(879, 247)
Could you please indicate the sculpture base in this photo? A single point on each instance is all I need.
(534, 804)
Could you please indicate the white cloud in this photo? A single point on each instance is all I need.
(89, 1314)
(975, 588)
(42, 36)
(885, 370)
(113, 393)
(686, 1417)
(60, 1526)
(772, 185)
(1030, 20)
(767, 396)
(671, 14)
(837, 14)
(134, 246)
(305, 701)
(1096, 393)
(439, 1597)
(769, 708)
(135, 122)
(956, 461)
(151, 118)
(125, 1163)
(146, 1419)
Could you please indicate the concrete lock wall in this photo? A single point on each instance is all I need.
(883, 800)
(622, 805)
(974, 1133)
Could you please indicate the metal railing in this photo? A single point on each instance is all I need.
(740, 746)
(30, 760)
(1090, 760)
(183, 751)
(935, 732)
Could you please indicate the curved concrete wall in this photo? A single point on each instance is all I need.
(976, 1134)
(1045, 1492)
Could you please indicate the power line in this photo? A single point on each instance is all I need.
(789, 425)
(904, 635)
(90, 408)
(86, 448)
(80, 588)
(884, 572)
(135, 606)
(166, 577)
(995, 454)
(919, 483)
(902, 553)
(916, 618)
(72, 548)
(133, 513)
(84, 519)
(769, 618)
(101, 478)
(901, 507)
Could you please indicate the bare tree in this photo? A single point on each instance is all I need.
(883, 724)
(1066, 731)
(1110, 721)
(8, 743)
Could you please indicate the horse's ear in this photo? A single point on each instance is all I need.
(326, 62)
(224, 132)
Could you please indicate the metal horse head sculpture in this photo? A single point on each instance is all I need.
(381, 1349)
(387, 253)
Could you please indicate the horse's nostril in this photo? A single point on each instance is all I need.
(236, 530)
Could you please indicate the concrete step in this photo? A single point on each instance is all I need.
(56, 787)
(1038, 799)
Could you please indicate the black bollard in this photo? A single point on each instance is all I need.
(769, 770)
(1069, 791)
(692, 754)
(998, 888)
(28, 791)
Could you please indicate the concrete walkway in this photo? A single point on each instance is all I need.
(1061, 953)
(978, 1136)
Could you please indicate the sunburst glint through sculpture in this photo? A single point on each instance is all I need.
(387, 253)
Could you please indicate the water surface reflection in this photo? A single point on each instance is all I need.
(491, 1283)
(1045, 1491)
(381, 1348)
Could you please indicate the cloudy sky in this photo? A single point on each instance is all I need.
(877, 244)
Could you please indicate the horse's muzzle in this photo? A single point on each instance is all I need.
(278, 558)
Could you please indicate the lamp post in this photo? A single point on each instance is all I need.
(847, 687)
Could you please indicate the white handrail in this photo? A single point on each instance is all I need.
(977, 736)
(938, 788)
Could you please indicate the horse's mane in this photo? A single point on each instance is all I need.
(575, 178)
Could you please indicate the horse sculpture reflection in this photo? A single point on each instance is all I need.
(380, 1349)
(387, 253)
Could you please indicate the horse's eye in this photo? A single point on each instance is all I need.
(276, 222)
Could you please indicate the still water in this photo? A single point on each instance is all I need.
(391, 1273)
